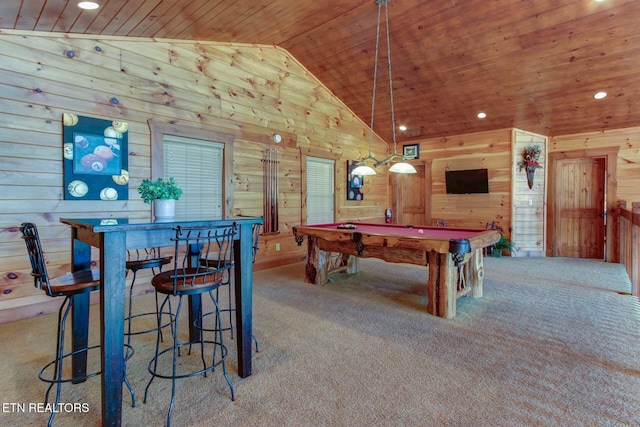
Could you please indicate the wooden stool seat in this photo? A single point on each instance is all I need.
(73, 283)
(188, 281)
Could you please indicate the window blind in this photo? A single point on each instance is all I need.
(320, 190)
(197, 166)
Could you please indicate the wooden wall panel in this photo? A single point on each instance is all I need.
(529, 204)
(248, 91)
(491, 150)
(621, 150)
(245, 90)
(628, 165)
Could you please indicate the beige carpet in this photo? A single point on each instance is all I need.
(554, 342)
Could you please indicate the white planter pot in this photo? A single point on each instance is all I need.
(164, 210)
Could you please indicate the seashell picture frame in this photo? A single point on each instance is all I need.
(95, 158)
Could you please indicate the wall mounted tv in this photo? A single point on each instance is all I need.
(467, 181)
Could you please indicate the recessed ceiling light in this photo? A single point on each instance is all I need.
(88, 5)
(600, 95)
(482, 115)
(402, 127)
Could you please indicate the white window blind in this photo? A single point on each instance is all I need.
(197, 166)
(320, 190)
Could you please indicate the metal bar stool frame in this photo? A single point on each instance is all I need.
(66, 286)
(230, 308)
(191, 278)
(141, 259)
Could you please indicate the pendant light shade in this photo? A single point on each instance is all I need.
(402, 166)
(364, 170)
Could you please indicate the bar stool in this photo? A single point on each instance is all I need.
(188, 278)
(67, 286)
(141, 259)
(230, 309)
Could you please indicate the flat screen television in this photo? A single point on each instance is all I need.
(467, 181)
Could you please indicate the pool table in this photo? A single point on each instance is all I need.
(454, 255)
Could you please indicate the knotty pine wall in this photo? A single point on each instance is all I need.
(245, 90)
(249, 91)
(628, 165)
(528, 229)
(623, 180)
(490, 150)
(499, 151)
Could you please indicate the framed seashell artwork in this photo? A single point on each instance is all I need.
(354, 182)
(96, 164)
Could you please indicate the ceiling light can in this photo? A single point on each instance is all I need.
(88, 5)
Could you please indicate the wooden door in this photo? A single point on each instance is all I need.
(580, 205)
(412, 196)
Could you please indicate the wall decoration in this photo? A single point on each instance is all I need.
(96, 165)
(411, 151)
(354, 182)
(530, 162)
(270, 191)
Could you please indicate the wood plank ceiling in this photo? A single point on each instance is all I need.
(530, 64)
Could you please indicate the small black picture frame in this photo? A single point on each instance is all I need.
(411, 151)
(354, 182)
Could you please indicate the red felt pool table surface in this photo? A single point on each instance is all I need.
(405, 230)
(454, 255)
(400, 236)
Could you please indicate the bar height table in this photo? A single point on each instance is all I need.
(113, 236)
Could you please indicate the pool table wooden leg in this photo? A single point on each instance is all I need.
(352, 264)
(477, 274)
(319, 261)
(316, 270)
(441, 289)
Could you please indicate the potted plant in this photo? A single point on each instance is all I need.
(163, 194)
(501, 245)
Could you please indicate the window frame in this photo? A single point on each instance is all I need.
(160, 129)
(323, 154)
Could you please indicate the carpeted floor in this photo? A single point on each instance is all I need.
(554, 342)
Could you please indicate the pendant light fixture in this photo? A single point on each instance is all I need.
(402, 166)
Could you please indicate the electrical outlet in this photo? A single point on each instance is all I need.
(277, 247)
(530, 202)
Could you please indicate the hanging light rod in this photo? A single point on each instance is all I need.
(400, 167)
(388, 160)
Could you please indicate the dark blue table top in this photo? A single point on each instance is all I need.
(129, 224)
